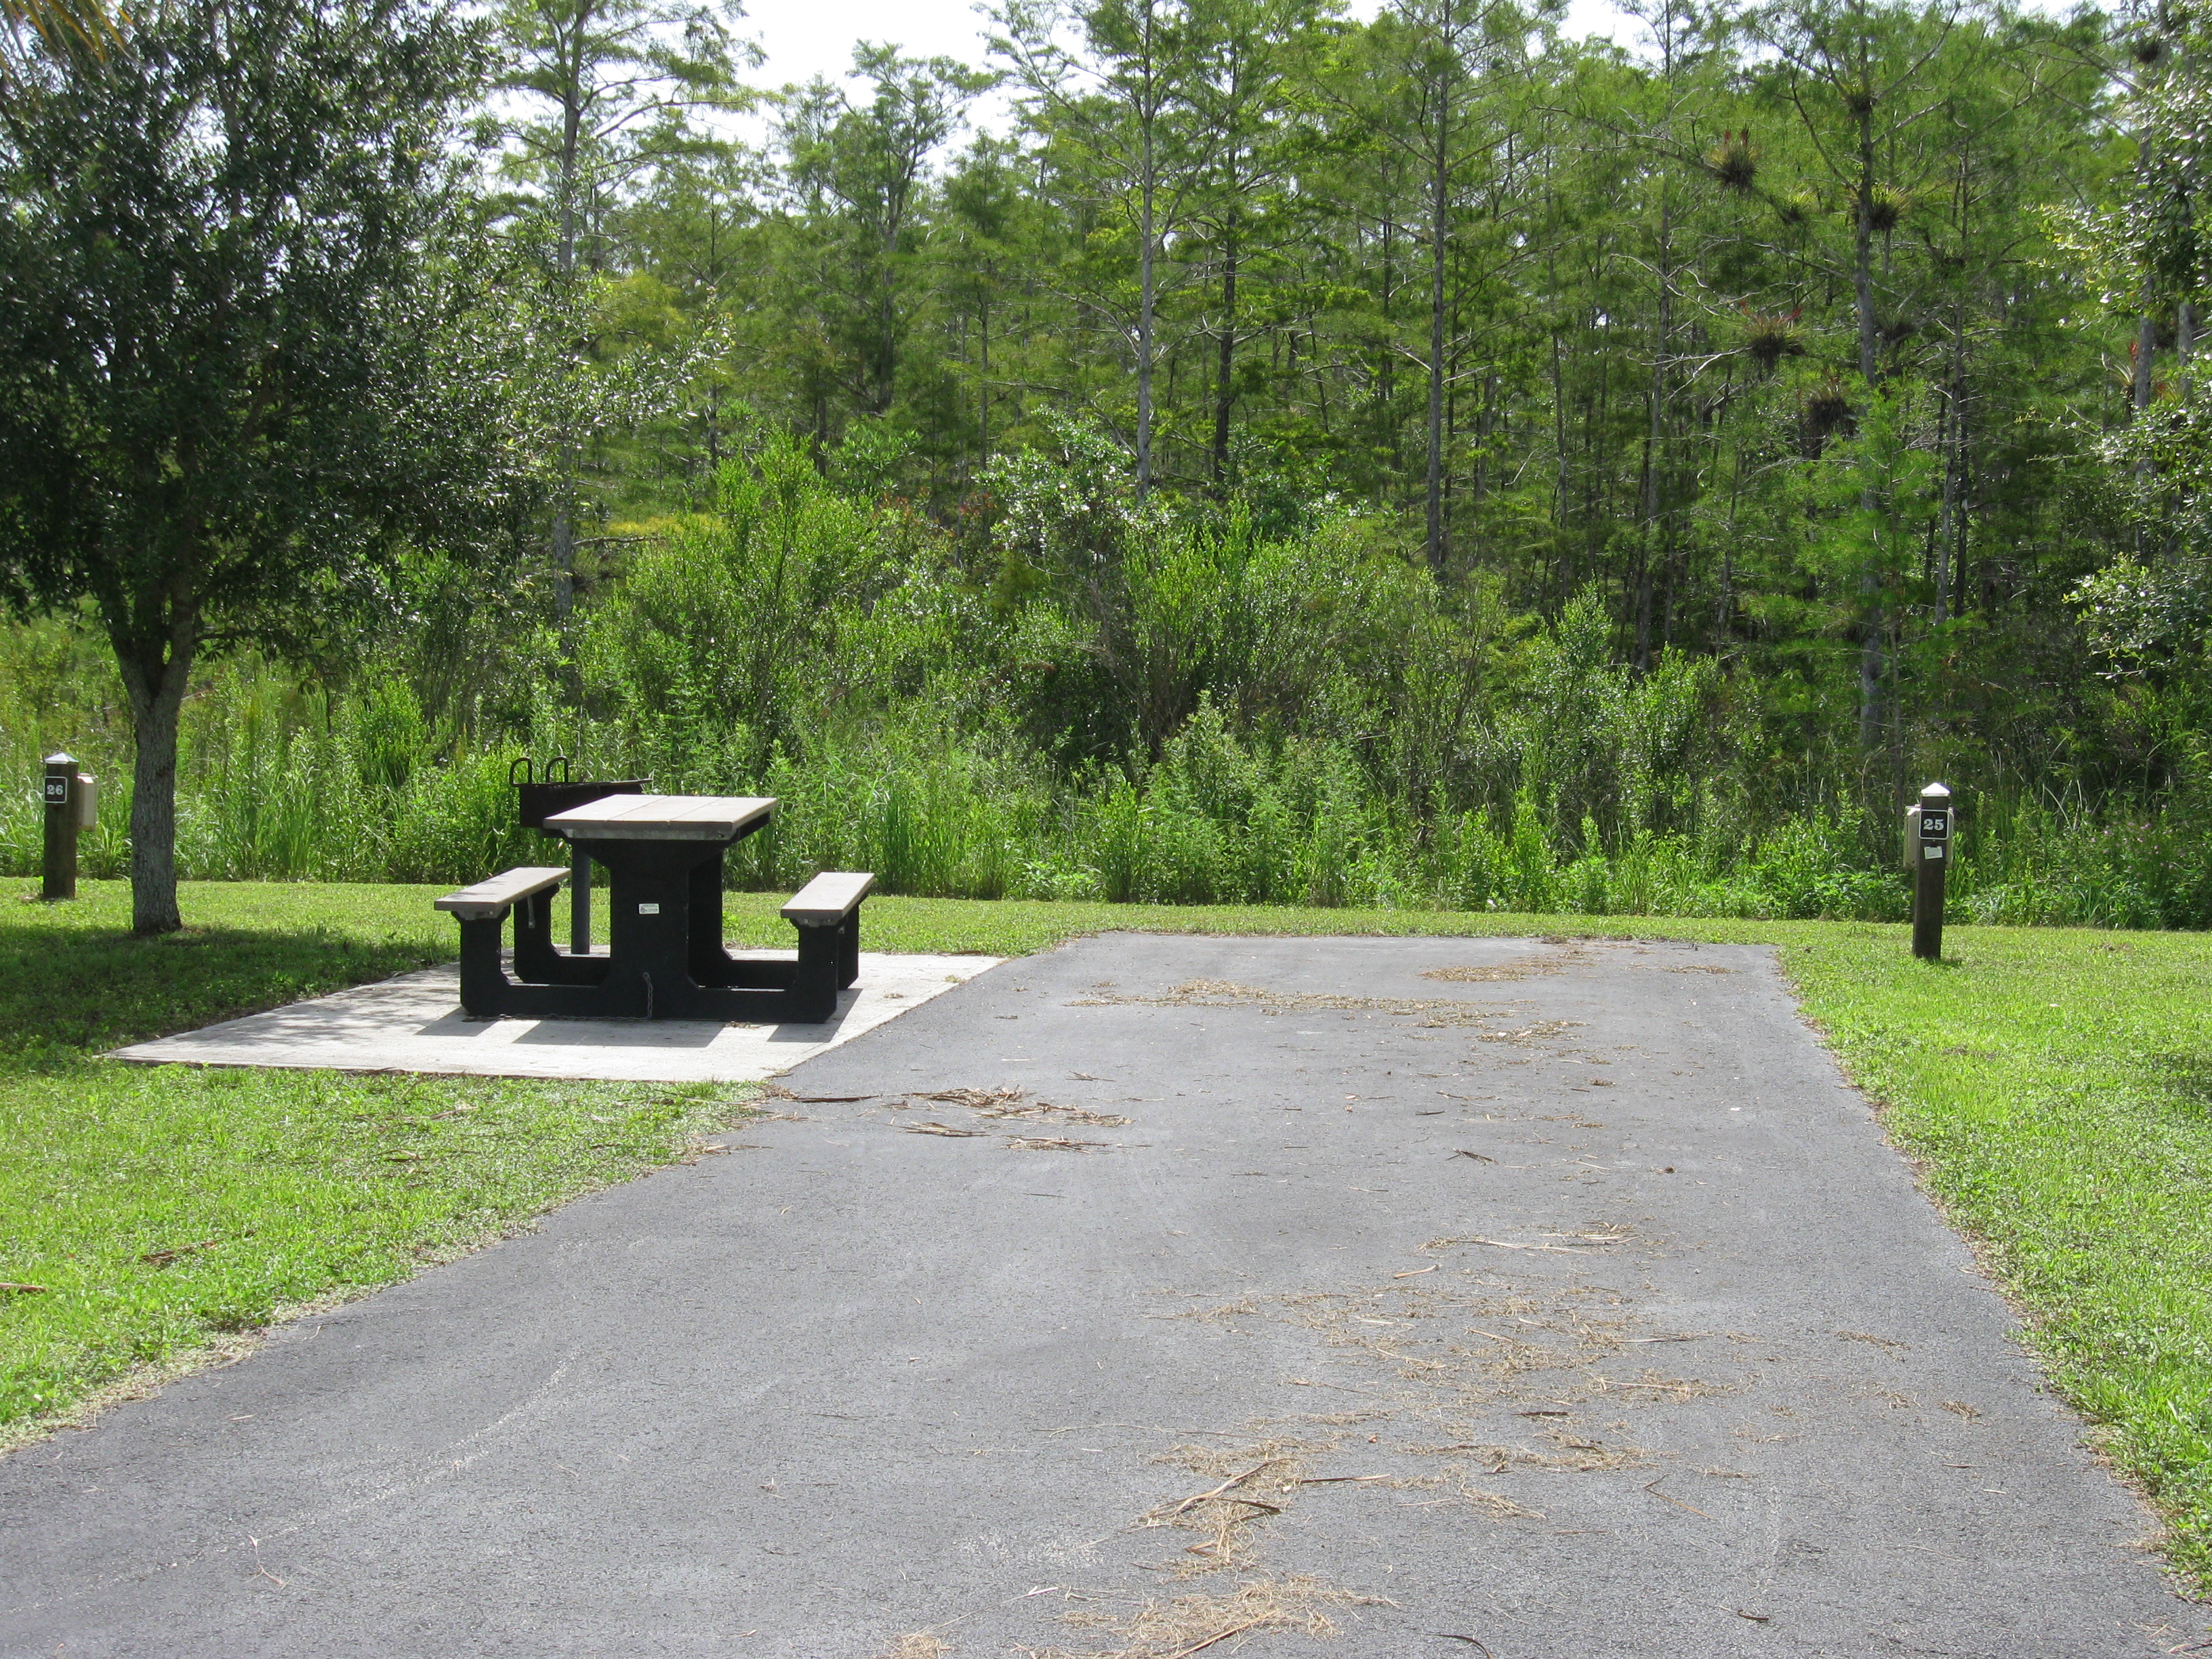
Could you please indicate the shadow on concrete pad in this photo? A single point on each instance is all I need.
(414, 1023)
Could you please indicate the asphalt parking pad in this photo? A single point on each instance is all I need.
(1159, 1296)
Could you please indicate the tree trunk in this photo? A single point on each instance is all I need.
(565, 184)
(1870, 664)
(1323, 374)
(1862, 254)
(1485, 425)
(1147, 255)
(563, 537)
(1563, 477)
(154, 672)
(1144, 301)
(2145, 351)
(883, 372)
(1641, 600)
(2147, 320)
(1954, 432)
(1870, 619)
(1654, 445)
(1388, 379)
(1440, 192)
(1724, 616)
(1224, 394)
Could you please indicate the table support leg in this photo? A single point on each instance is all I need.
(815, 981)
(580, 904)
(703, 923)
(483, 984)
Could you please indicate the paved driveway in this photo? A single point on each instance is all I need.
(1458, 1297)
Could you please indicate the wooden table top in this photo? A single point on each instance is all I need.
(662, 817)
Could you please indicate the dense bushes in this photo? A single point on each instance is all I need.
(1091, 699)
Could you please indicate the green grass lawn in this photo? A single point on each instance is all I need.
(2056, 1083)
(159, 1208)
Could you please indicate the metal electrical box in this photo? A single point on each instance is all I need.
(1927, 832)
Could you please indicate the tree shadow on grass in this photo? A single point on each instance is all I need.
(86, 989)
(2183, 1077)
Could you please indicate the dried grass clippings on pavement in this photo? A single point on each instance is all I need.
(1582, 1456)
(1045, 1112)
(778, 1092)
(1651, 1385)
(1228, 993)
(1226, 1310)
(1528, 966)
(918, 1644)
(1176, 1627)
(1496, 1505)
(1536, 1032)
(1250, 1484)
(1015, 1104)
(1455, 1349)
(990, 1101)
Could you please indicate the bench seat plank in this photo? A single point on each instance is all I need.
(829, 898)
(494, 897)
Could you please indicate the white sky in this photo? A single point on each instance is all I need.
(806, 38)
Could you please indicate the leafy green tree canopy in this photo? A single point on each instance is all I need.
(239, 370)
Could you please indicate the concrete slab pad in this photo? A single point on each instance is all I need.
(415, 1024)
(1589, 1316)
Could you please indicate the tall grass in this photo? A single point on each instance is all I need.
(279, 784)
(1100, 701)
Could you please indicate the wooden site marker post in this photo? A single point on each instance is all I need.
(70, 800)
(1928, 850)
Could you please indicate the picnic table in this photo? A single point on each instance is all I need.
(665, 957)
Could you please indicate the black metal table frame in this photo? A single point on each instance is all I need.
(664, 958)
(539, 794)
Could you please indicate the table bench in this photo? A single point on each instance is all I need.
(665, 957)
(482, 911)
(827, 913)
